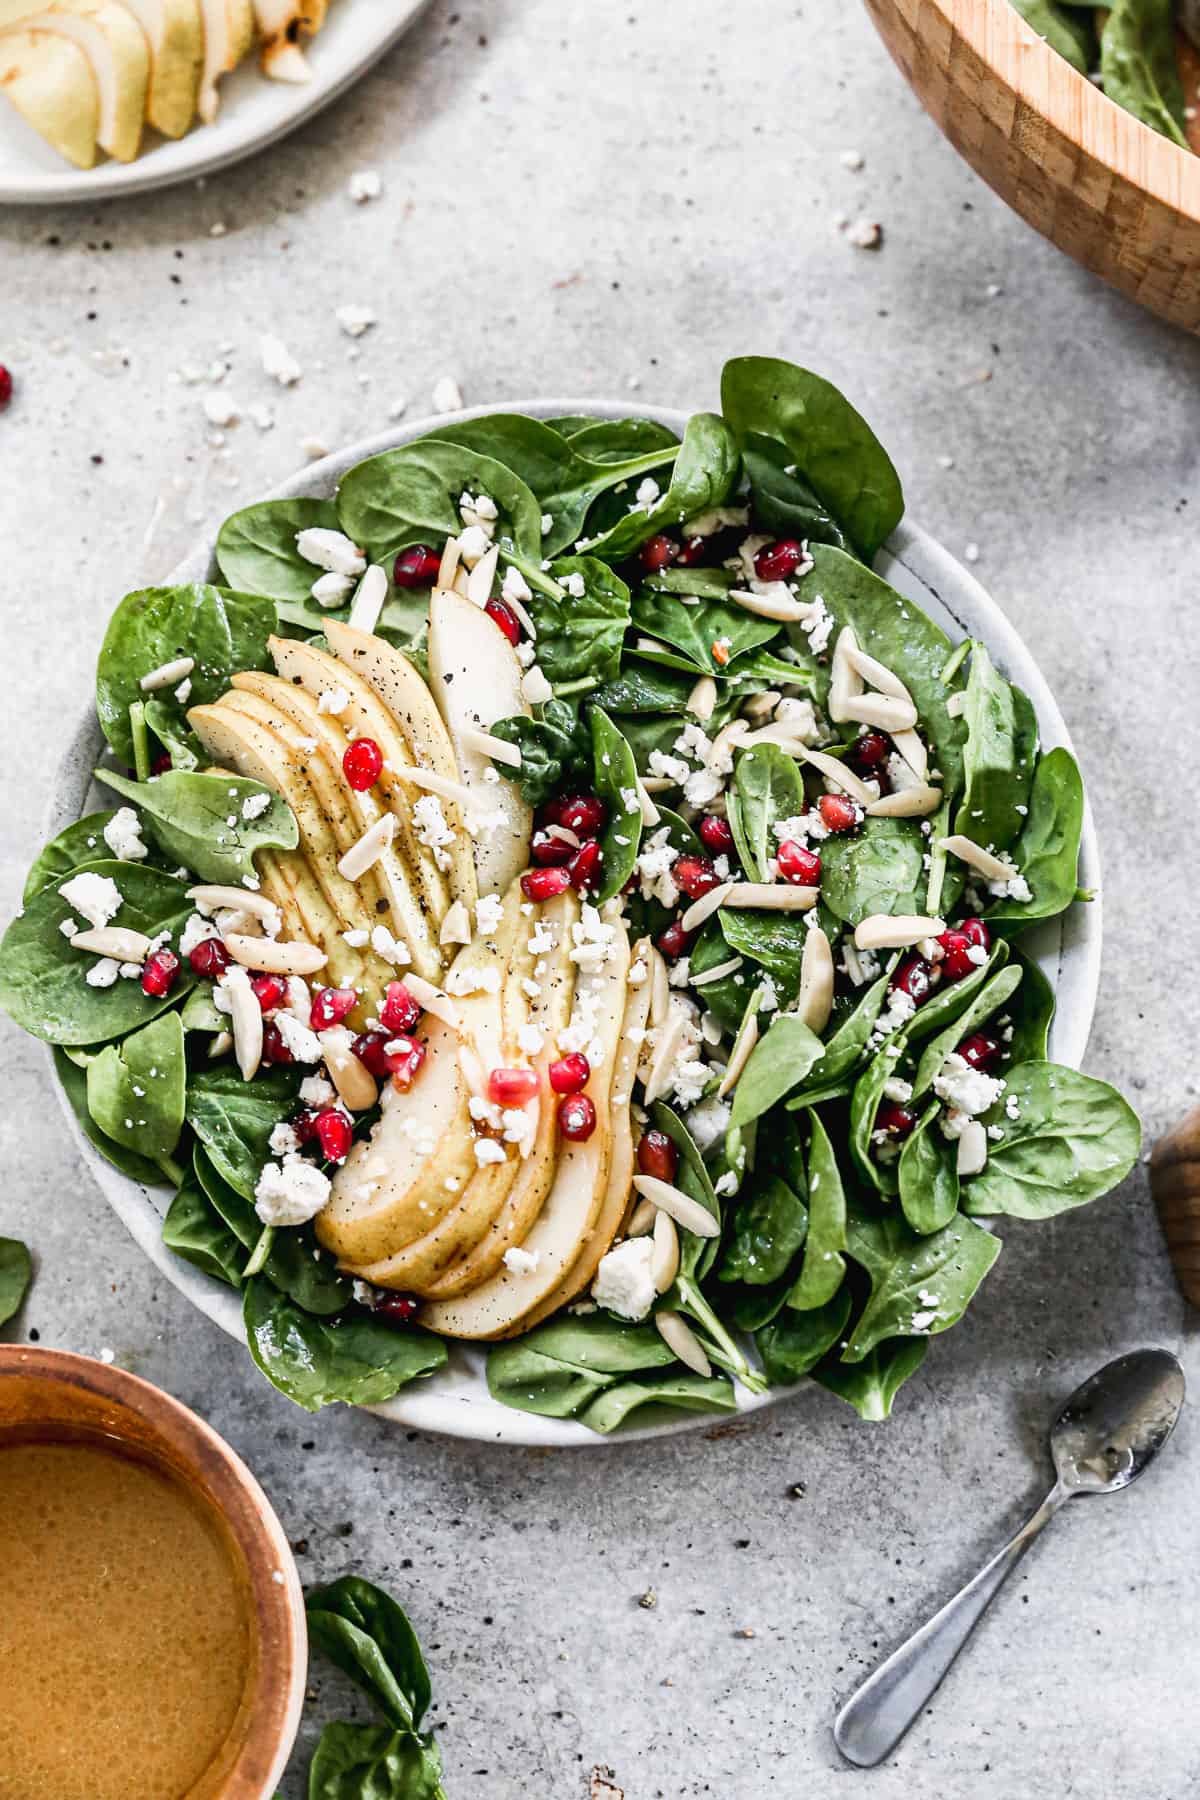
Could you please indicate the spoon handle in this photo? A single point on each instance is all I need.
(875, 1718)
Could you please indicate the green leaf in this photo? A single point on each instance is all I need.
(775, 941)
(369, 1762)
(793, 1344)
(871, 1385)
(614, 440)
(362, 1629)
(1065, 30)
(411, 496)
(16, 1273)
(691, 1393)
(830, 444)
(581, 635)
(930, 1278)
(615, 779)
(1031, 1013)
(704, 475)
(1047, 850)
(954, 998)
(550, 747)
(845, 1047)
(784, 504)
(220, 630)
(769, 788)
(864, 1104)
(1073, 1138)
(256, 548)
(198, 820)
(291, 1257)
(779, 1061)
(42, 978)
(234, 1119)
(1138, 66)
(688, 633)
(999, 988)
(998, 757)
(928, 1171)
(73, 1081)
(561, 1366)
(770, 1224)
(74, 847)
(824, 1266)
(642, 687)
(195, 1230)
(357, 1359)
(135, 1089)
(880, 869)
(173, 733)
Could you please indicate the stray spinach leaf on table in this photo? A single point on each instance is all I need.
(16, 1273)
(871, 1386)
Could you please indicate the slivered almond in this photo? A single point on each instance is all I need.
(664, 1264)
(877, 673)
(706, 906)
(772, 896)
(641, 1219)
(356, 1086)
(168, 674)
(650, 813)
(972, 1149)
(493, 747)
(441, 785)
(369, 598)
(434, 1000)
(565, 835)
(883, 711)
(956, 705)
(461, 579)
(839, 774)
(976, 857)
(657, 784)
(702, 700)
(660, 986)
(735, 732)
(672, 1033)
(906, 803)
(778, 604)
(911, 747)
(746, 1039)
(888, 931)
(271, 957)
(371, 845)
(210, 898)
(759, 707)
(718, 973)
(682, 1208)
(456, 926)
(522, 612)
(113, 940)
(814, 1003)
(448, 567)
(220, 1044)
(246, 1017)
(678, 1336)
(299, 999)
(651, 644)
(844, 680)
(479, 581)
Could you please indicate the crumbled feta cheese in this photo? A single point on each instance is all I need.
(668, 768)
(530, 1039)
(283, 1141)
(364, 185)
(625, 1279)
(317, 1092)
(278, 361)
(709, 1122)
(447, 395)
(333, 700)
(384, 944)
(354, 320)
(197, 930)
(97, 897)
(303, 1043)
(534, 686)
(897, 1089)
(965, 1089)
(654, 865)
(515, 587)
(331, 550)
(432, 829)
(255, 806)
(489, 910)
(799, 718)
(487, 1150)
(575, 586)
(521, 1262)
(818, 626)
(356, 939)
(647, 493)
(332, 590)
(291, 1193)
(103, 973)
(473, 544)
(123, 835)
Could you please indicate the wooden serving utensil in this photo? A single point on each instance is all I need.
(1175, 1184)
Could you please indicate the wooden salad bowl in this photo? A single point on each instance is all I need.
(1113, 194)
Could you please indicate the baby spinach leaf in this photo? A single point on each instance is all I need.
(871, 1386)
(824, 1266)
(768, 787)
(135, 1089)
(770, 1224)
(794, 1343)
(705, 473)
(73, 1081)
(199, 821)
(362, 1629)
(830, 444)
(411, 496)
(784, 503)
(864, 1104)
(642, 687)
(751, 1308)
(1066, 30)
(1031, 1013)
(953, 998)
(928, 1176)
(551, 747)
(614, 440)
(42, 978)
(560, 1367)
(779, 1061)
(199, 1013)
(615, 779)
(293, 1261)
(315, 1362)
(74, 847)
(1073, 1138)
(999, 988)
(16, 1273)
(773, 940)
(369, 1762)
(195, 1230)
(691, 1393)
(1138, 67)
(880, 869)
(256, 548)
(527, 1381)
(688, 633)
(220, 630)
(930, 1278)
(1047, 850)
(998, 756)
(234, 1119)
(726, 998)
(699, 580)
(180, 742)
(846, 1046)
(581, 635)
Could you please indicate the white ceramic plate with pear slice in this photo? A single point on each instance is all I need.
(254, 111)
(456, 1400)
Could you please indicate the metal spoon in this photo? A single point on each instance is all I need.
(1108, 1432)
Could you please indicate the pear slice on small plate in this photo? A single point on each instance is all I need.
(117, 53)
(50, 82)
(175, 33)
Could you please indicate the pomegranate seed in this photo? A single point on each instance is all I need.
(406, 1065)
(416, 567)
(362, 762)
(895, 1120)
(368, 1046)
(673, 941)
(657, 1155)
(400, 1011)
(584, 814)
(505, 618)
(576, 1118)
(956, 962)
(274, 1050)
(397, 1309)
(550, 811)
(544, 884)
(798, 865)
(269, 990)
(837, 812)
(6, 386)
(914, 977)
(512, 1087)
(979, 1050)
(550, 852)
(210, 957)
(716, 834)
(584, 867)
(570, 1073)
(160, 972)
(779, 561)
(695, 876)
(305, 1125)
(869, 750)
(161, 763)
(976, 932)
(335, 1134)
(658, 552)
(693, 552)
(330, 1006)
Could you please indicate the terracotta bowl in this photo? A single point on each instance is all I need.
(1113, 194)
(57, 1392)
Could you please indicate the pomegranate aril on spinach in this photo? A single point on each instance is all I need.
(695, 876)
(505, 619)
(658, 553)
(780, 560)
(673, 940)
(914, 977)
(584, 814)
(160, 972)
(798, 865)
(209, 957)
(894, 1120)
(980, 1050)
(838, 813)
(716, 834)
(416, 567)
(269, 990)
(657, 1155)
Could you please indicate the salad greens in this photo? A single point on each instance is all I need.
(16, 1272)
(1139, 51)
(853, 1080)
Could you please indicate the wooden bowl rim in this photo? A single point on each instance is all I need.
(1045, 82)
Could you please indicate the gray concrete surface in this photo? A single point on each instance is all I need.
(578, 199)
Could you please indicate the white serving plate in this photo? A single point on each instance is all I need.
(254, 112)
(456, 1401)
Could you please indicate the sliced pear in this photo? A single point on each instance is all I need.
(174, 31)
(498, 1307)
(365, 715)
(50, 82)
(279, 25)
(475, 679)
(550, 1012)
(117, 53)
(228, 35)
(411, 915)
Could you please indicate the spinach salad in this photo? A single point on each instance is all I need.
(1144, 54)
(555, 895)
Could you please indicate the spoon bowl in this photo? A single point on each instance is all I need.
(1116, 1422)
